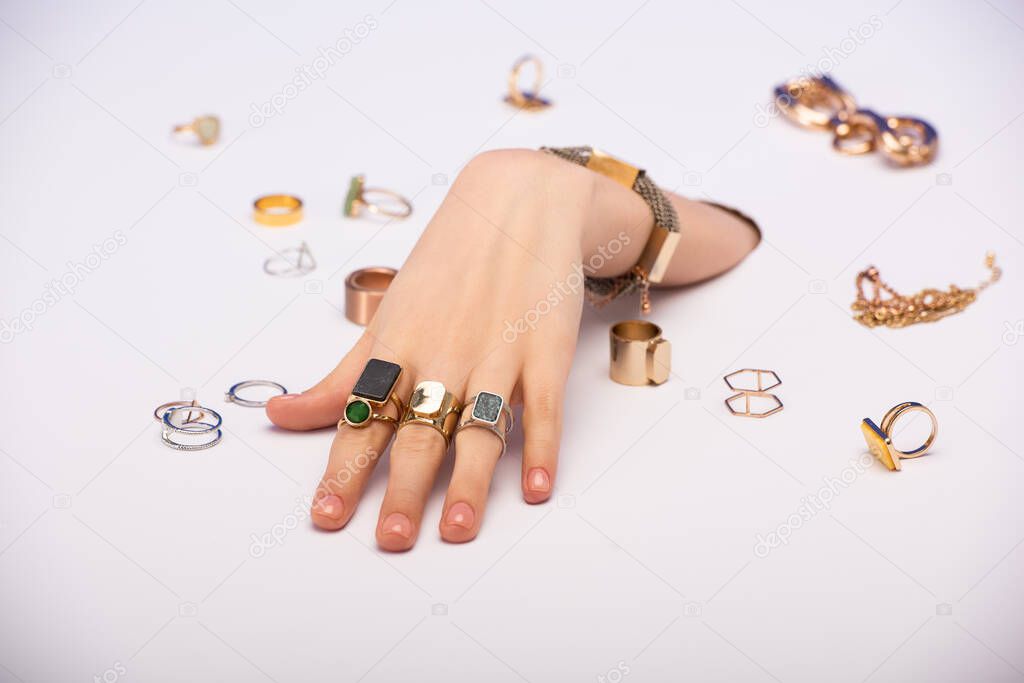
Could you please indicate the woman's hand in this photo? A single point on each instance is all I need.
(489, 300)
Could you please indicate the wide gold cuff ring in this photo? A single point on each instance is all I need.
(206, 128)
(764, 403)
(364, 290)
(373, 391)
(530, 100)
(434, 406)
(639, 354)
(277, 210)
(879, 438)
(487, 412)
(375, 200)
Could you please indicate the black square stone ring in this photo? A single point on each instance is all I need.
(374, 389)
(485, 411)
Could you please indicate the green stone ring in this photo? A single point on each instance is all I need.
(374, 389)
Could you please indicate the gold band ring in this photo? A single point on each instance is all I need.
(530, 100)
(359, 198)
(364, 290)
(432, 405)
(879, 438)
(277, 210)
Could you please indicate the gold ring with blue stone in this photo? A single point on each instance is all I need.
(374, 389)
(487, 411)
(434, 406)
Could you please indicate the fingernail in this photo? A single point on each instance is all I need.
(398, 524)
(330, 506)
(285, 397)
(538, 480)
(460, 514)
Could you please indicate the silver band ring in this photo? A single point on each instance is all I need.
(232, 394)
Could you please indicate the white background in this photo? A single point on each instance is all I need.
(119, 556)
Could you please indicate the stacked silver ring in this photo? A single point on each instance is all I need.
(183, 433)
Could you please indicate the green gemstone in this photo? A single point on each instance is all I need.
(357, 412)
(355, 192)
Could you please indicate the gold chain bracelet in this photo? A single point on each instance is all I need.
(928, 305)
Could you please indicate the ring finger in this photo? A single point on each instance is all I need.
(477, 450)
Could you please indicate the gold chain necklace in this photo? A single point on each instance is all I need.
(926, 306)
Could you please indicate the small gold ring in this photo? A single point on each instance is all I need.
(277, 210)
(432, 405)
(639, 354)
(206, 128)
(359, 198)
(857, 133)
(529, 100)
(879, 438)
(813, 102)
(372, 393)
(908, 141)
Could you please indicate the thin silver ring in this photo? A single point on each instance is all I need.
(493, 428)
(170, 426)
(232, 394)
(291, 269)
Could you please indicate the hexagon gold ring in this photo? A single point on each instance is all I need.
(373, 391)
(879, 438)
(760, 391)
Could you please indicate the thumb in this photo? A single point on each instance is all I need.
(324, 404)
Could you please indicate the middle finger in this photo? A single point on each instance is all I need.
(416, 457)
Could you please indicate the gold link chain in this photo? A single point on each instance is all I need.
(928, 305)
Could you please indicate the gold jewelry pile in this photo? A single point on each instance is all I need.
(926, 306)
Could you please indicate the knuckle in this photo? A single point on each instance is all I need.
(418, 441)
(543, 407)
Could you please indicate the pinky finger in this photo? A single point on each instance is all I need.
(542, 427)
